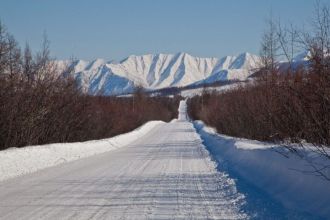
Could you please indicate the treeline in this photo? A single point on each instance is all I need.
(109, 116)
(38, 105)
(291, 107)
(286, 103)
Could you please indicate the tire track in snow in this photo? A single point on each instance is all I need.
(167, 174)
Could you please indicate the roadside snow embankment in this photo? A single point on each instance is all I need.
(19, 161)
(262, 166)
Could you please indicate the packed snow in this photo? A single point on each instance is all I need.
(182, 111)
(165, 174)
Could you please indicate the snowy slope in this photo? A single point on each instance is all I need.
(159, 71)
(266, 175)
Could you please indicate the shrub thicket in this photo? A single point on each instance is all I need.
(286, 101)
(38, 105)
(293, 107)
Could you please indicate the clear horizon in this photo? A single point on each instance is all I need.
(113, 30)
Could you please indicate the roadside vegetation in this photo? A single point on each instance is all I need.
(39, 105)
(285, 103)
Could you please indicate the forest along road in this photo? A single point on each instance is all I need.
(167, 174)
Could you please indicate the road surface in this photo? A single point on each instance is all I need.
(167, 174)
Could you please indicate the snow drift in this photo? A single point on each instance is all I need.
(261, 165)
(19, 161)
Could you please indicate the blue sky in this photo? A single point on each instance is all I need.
(115, 29)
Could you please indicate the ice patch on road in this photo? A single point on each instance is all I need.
(19, 161)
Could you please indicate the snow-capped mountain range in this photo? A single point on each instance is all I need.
(158, 71)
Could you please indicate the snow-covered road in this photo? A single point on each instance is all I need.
(166, 174)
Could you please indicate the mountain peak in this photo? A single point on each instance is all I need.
(182, 54)
(245, 54)
(155, 71)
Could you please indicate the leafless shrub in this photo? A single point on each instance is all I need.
(288, 105)
(39, 104)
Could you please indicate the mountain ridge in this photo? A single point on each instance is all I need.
(158, 71)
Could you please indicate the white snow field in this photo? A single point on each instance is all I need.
(165, 174)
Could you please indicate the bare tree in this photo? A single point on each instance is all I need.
(288, 41)
(14, 57)
(3, 48)
(317, 42)
(28, 63)
(43, 63)
(270, 47)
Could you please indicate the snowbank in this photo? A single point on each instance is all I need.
(262, 166)
(19, 161)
